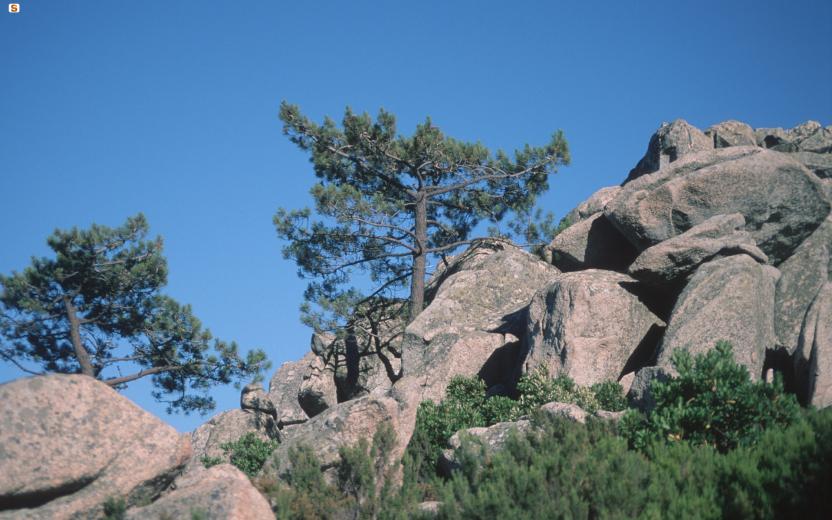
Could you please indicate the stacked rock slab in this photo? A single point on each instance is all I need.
(671, 142)
(69, 443)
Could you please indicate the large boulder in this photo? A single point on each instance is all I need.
(254, 399)
(473, 321)
(591, 326)
(781, 201)
(730, 299)
(221, 492)
(731, 133)
(803, 274)
(342, 425)
(594, 204)
(671, 142)
(677, 257)
(317, 390)
(68, 443)
(227, 427)
(813, 359)
(283, 391)
(591, 243)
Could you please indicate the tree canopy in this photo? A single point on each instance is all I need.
(96, 309)
(388, 204)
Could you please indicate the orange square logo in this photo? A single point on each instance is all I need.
(14, 8)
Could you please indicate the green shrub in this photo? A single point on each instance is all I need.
(568, 470)
(210, 461)
(115, 509)
(248, 453)
(467, 406)
(712, 401)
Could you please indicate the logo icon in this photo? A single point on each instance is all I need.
(14, 8)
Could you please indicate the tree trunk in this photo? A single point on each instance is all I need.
(417, 282)
(75, 335)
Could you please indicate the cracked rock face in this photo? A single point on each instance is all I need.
(671, 142)
(781, 201)
(476, 314)
(677, 257)
(589, 325)
(729, 299)
(221, 491)
(813, 359)
(70, 442)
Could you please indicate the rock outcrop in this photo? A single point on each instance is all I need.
(283, 391)
(70, 442)
(474, 319)
(589, 325)
(730, 299)
(221, 492)
(813, 359)
(227, 427)
(674, 259)
(781, 201)
(342, 425)
(671, 142)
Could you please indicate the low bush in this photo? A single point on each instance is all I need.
(248, 453)
(466, 405)
(712, 401)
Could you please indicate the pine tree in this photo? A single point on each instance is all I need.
(389, 204)
(96, 309)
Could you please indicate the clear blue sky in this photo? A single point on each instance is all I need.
(170, 108)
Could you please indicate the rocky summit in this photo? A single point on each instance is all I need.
(721, 234)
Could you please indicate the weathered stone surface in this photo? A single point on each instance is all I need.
(818, 163)
(69, 442)
(803, 274)
(591, 243)
(484, 440)
(342, 425)
(677, 257)
(590, 326)
(813, 359)
(317, 389)
(594, 204)
(807, 137)
(472, 322)
(670, 142)
(226, 427)
(639, 394)
(781, 201)
(283, 391)
(731, 133)
(221, 492)
(729, 299)
(254, 399)
(569, 411)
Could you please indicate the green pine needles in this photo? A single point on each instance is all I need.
(95, 307)
(387, 204)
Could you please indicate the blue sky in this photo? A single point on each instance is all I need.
(111, 108)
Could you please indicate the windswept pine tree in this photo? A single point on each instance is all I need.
(96, 309)
(388, 204)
